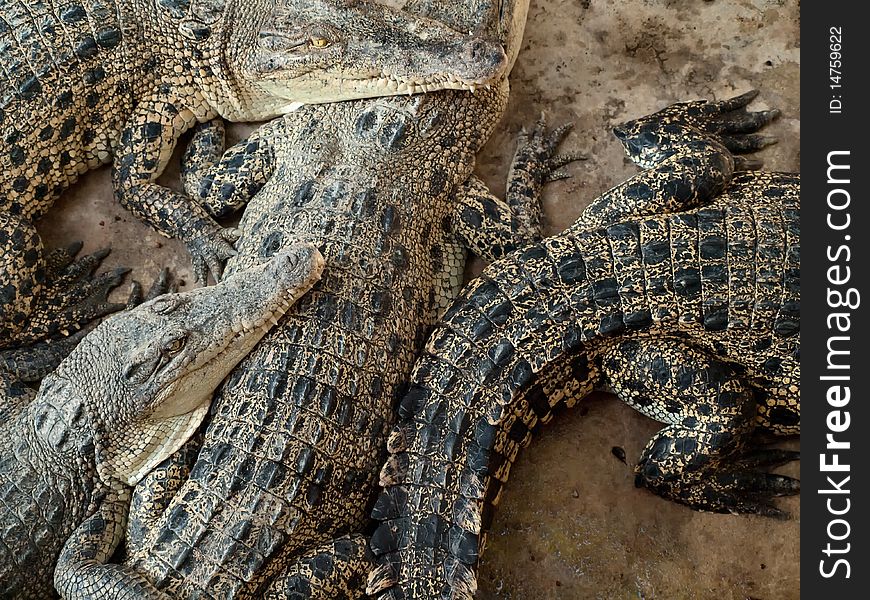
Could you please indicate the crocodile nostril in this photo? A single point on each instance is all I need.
(271, 244)
(484, 53)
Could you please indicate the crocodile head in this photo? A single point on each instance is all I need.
(312, 51)
(146, 375)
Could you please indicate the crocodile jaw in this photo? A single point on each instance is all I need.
(356, 89)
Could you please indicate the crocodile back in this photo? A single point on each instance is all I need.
(64, 83)
(291, 454)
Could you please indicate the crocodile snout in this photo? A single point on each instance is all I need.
(484, 60)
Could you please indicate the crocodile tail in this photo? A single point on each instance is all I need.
(475, 399)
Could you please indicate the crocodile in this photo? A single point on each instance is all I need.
(679, 290)
(276, 500)
(85, 83)
(127, 396)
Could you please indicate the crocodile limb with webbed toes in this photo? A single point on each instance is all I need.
(679, 289)
(130, 393)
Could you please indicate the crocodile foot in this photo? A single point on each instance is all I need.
(536, 159)
(652, 139)
(210, 247)
(536, 163)
(741, 487)
(72, 296)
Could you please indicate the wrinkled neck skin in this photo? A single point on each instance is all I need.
(58, 424)
(234, 97)
(195, 48)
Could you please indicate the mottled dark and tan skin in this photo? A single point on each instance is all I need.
(691, 316)
(85, 83)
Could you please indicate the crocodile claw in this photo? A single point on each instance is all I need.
(536, 152)
(730, 122)
(536, 163)
(210, 250)
(739, 490)
(164, 284)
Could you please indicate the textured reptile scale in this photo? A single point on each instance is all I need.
(298, 430)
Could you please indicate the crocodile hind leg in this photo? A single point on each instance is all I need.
(222, 182)
(491, 227)
(688, 150)
(703, 456)
(335, 570)
(46, 295)
(81, 571)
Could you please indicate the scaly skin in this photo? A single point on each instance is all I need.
(127, 396)
(691, 317)
(276, 501)
(118, 81)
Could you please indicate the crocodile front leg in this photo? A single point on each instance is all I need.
(154, 493)
(223, 182)
(491, 227)
(687, 151)
(703, 457)
(81, 570)
(146, 145)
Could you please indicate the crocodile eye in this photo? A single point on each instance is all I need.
(175, 346)
(319, 42)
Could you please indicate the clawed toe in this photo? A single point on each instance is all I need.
(210, 251)
(751, 142)
(536, 152)
(72, 297)
(164, 284)
(732, 104)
